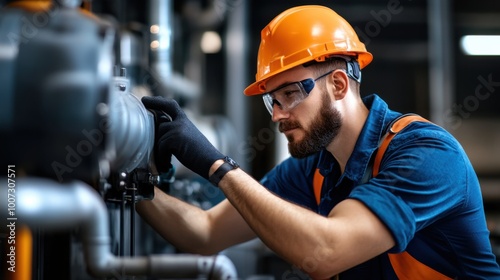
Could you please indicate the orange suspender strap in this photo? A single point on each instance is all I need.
(404, 265)
(396, 127)
(317, 185)
(407, 267)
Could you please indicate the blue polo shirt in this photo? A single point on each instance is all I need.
(426, 193)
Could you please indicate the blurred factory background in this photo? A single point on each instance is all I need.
(428, 59)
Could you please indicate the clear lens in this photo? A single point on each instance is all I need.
(290, 95)
(268, 101)
(287, 97)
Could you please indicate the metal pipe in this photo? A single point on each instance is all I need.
(49, 205)
(122, 225)
(237, 106)
(441, 77)
(132, 222)
(160, 15)
(207, 18)
(165, 81)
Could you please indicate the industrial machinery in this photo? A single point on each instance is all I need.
(77, 145)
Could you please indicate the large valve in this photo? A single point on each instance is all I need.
(66, 112)
(57, 80)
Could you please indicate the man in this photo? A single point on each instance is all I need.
(420, 217)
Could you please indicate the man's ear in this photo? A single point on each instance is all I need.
(340, 83)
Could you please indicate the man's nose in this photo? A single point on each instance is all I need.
(279, 114)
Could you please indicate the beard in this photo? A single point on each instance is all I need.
(321, 133)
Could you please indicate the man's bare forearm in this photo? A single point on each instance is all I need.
(191, 229)
(350, 235)
(183, 225)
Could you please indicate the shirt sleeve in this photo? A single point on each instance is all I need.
(287, 180)
(422, 179)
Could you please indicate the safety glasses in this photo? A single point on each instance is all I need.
(290, 95)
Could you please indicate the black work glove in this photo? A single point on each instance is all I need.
(179, 137)
(162, 160)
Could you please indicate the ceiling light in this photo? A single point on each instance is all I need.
(480, 44)
(211, 42)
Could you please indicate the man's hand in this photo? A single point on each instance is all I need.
(179, 137)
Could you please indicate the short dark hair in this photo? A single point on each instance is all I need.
(320, 68)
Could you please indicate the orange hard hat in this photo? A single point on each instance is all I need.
(302, 34)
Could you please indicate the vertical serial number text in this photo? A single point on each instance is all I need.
(11, 218)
